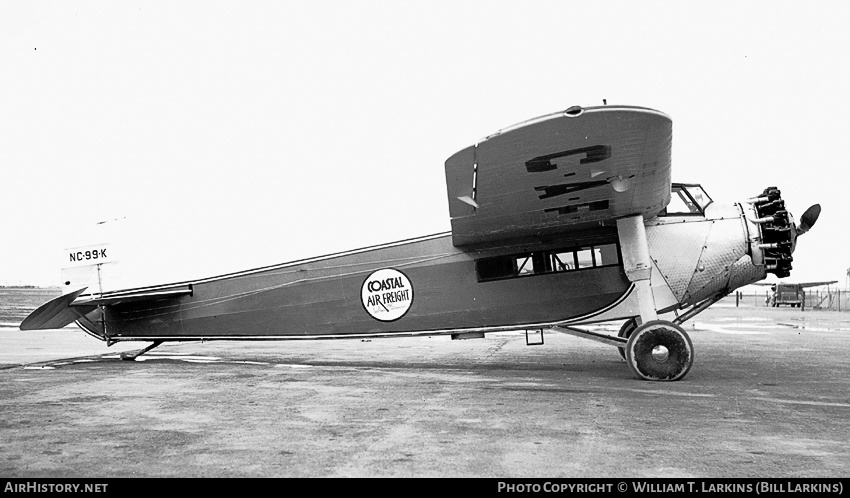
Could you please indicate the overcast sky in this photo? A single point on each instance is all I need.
(230, 135)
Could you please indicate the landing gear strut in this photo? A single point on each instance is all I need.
(659, 350)
(626, 332)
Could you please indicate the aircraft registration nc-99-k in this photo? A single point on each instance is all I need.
(563, 220)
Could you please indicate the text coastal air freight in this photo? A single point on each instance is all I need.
(385, 284)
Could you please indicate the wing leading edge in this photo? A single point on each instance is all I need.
(575, 169)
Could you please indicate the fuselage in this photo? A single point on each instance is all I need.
(429, 286)
(432, 287)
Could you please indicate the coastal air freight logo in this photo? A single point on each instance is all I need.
(387, 294)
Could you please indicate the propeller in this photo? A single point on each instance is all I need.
(807, 221)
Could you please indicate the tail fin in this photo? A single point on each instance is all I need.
(89, 266)
(92, 262)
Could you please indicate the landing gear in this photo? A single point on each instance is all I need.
(626, 332)
(659, 350)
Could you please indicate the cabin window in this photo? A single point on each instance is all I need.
(607, 255)
(585, 258)
(545, 262)
(563, 261)
(525, 265)
(494, 268)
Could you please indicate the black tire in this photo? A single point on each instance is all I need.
(660, 350)
(626, 331)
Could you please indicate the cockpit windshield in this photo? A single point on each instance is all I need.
(687, 199)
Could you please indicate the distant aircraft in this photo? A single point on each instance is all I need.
(792, 294)
(563, 220)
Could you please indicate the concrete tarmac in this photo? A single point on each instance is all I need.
(767, 397)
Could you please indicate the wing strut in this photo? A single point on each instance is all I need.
(637, 263)
(700, 307)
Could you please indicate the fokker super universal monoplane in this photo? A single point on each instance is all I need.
(563, 220)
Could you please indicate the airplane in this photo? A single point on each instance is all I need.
(789, 293)
(560, 221)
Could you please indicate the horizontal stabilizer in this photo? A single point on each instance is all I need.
(56, 313)
(111, 298)
(71, 307)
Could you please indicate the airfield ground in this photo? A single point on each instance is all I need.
(767, 397)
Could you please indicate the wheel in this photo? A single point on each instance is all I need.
(660, 350)
(626, 331)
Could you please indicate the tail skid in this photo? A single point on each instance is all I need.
(132, 355)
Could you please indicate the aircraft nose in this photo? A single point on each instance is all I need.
(776, 231)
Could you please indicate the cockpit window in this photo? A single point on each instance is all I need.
(681, 203)
(687, 200)
(698, 195)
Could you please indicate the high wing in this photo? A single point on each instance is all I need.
(74, 306)
(579, 168)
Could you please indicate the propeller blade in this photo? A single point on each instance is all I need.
(807, 221)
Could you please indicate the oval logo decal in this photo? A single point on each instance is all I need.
(387, 294)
